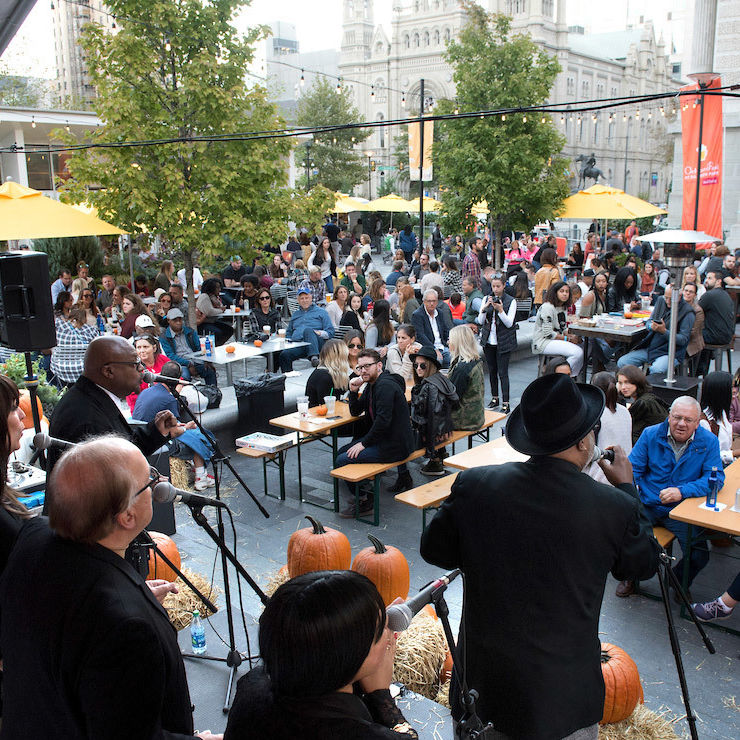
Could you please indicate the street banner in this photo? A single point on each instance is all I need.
(414, 145)
(710, 189)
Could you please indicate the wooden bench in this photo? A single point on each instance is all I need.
(277, 459)
(356, 473)
(428, 496)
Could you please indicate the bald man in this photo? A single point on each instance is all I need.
(88, 650)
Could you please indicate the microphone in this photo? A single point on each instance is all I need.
(43, 441)
(151, 377)
(400, 615)
(599, 454)
(165, 492)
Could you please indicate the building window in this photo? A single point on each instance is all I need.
(38, 166)
(596, 130)
(447, 35)
(610, 134)
(406, 41)
(426, 38)
(416, 41)
(585, 89)
(436, 37)
(580, 131)
(547, 8)
(600, 90)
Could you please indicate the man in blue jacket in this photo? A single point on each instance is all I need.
(672, 461)
(181, 344)
(654, 347)
(311, 324)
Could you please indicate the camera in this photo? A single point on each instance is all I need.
(496, 299)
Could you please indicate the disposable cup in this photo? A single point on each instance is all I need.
(330, 402)
(303, 406)
(281, 333)
(627, 308)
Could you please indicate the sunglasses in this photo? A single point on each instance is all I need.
(420, 365)
(154, 477)
(264, 298)
(355, 346)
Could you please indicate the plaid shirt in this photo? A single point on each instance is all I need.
(67, 358)
(318, 291)
(471, 268)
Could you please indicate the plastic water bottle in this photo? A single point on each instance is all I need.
(713, 489)
(197, 634)
(209, 350)
(101, 324)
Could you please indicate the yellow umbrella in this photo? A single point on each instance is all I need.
(391, 203)
(430, 204)
(604, 202)
(480, 208)
(29, 214)
(347, 204)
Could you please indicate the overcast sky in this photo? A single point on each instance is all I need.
(318, 24)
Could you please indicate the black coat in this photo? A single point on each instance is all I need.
(388, 424)
(88, 651)
(85, 411)
(536, 541)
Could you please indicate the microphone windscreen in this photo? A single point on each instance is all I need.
(163, 492)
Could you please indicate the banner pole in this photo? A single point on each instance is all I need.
(421, 167)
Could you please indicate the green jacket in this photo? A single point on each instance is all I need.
(468, 380)
(471, 314)
(347, 283)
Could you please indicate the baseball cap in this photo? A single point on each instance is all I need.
(304, 289)
(174, 313)
(158, 292)
(144, 321)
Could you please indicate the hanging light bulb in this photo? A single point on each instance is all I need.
(637, 114)
(33, 122)
(524, 118)
(339, 86)
(650, 115)
(543, 120)
(303, 79)
(67, 125)
(403, 100)
(593, 118)
(662, 110)
(167, 45)
(503, 116)
(372, 92)
(624, 117)
(457, 111)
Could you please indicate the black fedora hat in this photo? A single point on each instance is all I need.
(427, 353)
(555, 412)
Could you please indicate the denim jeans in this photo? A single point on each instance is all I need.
(315, 343)
(369, 454)
(639, 357)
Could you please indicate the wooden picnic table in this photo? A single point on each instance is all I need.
(496, 452)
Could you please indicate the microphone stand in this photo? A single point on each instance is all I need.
(470, 725)
(233, 659)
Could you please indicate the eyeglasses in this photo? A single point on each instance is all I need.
(420, 365)
(687, 419)
(355, 346)
(264, 298)
(360, 368)
(154, 476)
(136, 363)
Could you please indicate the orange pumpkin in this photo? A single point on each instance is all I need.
(320, 410)
(622, 682)
(257, 342)
(157, 567)
(317, 548)
(24, 403)
(386, 567)
(446, 673)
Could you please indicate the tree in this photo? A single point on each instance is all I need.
(175, 70)
(69, 251)
(21, 92)
(513, 164)
(340, 166)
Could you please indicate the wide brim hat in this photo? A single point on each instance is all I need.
(427, 353)
(555, 412)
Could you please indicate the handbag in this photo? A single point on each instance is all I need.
(212, 393)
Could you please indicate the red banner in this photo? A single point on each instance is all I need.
(710, 188)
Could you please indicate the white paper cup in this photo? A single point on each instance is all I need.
(281, 333)
(330, 402)
(627, 308)
(266, 329)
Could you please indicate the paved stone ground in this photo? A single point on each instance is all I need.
(637, 624)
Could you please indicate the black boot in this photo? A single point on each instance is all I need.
(404, 482)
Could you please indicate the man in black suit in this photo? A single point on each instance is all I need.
(91, 406)
(88, 650)
(384, 433)
(531, 614)
(431, 328)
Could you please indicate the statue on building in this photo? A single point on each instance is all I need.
(588, 170)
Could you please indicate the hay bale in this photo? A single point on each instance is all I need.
(180, 606)
(179, 475)
(642, 724)
(276, 580)
(443, 695)
(420, 654)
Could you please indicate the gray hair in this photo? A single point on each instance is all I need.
(431, 292)
(687, 401)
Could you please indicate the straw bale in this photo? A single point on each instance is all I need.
(179, 476)
(180, 606)
(276, 580)
(420, 655)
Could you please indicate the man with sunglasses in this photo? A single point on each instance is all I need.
(383, 434)
(90, 637)
(92, 406)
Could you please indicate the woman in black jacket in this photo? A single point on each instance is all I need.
(264, 313)
(433, 399)
(623, 291)
(328, 664)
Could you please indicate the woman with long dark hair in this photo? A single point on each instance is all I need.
(208, 308)
(595, 301)
(575, 258)
(550, 335)
(87, 303)
(716, 399)
(63, 304)
(328, 663)
(380, 330)
(12, 512)
(451, 275)
(132, 307)
(323, 258)
(635, 392)
(264, 313)
(355, 341)
(615, 426)
(353, 314)
(624, 291)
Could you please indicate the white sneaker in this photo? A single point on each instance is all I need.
(201, 483)
(210, 481)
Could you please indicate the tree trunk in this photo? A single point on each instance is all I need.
(189, 288)
(497, 244)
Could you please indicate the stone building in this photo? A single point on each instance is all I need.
(383, 75)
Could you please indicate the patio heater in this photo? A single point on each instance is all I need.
(676, 258)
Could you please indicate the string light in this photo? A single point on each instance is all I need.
(339, 86)
(524, 119)
(503, 116)
(543, 119)
(637, 114)
(372, 93)
(403, 100)
(66, 125)
(662, 111)
(33, 122)
(303, 79)
(562, 119)
(167, 45)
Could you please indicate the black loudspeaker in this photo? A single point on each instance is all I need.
(26, 313)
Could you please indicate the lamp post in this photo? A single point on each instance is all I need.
(703, 79)
(369, 156)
